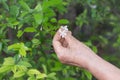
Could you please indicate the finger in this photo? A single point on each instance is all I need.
(65, 44)
(56, 43)
(64, 41)
(57, 36)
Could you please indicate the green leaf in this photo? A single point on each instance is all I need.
(103, 40)
(15, 46)
(22, 52)
(21, 67)
(24, 63)
(14, 10)
(51, 75)
(88, 74)
(9, 61)
(33, 72)
(44, 68)
(31, 78)
(88, 43)
(50, 13)
(5, 5)
(14, 69)
(40, 76)
(94, 48)
(63, 21)
(35, 42)
(24, 5)
(19, 33)
(5, 69)
(15, 23)
(24, 47)
(53, 20)
(19, 47)
(38, 8)
(29, 29)
(38, 18)
(19, 74)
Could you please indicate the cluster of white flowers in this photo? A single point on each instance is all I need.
(63, 31)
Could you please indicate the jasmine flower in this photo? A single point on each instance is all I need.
(63, 31)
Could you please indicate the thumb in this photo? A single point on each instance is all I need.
(56, 43)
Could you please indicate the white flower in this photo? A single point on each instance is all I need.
(41, 28)
(93, 6)
(63, 31)
(19, 56)
(64, 28)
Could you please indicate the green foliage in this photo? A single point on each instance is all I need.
(23, 17)
(20, 47)
(39, 20)
(35, 74)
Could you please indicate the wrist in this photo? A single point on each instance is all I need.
(87, 59)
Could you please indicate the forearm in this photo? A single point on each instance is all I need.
(101, 69)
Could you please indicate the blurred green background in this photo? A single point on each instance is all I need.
(27, 28)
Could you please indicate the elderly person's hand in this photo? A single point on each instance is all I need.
(71, 51)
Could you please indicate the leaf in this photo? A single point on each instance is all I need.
(22, 52)
(19, 74)
(63, 21)
(88, 74)
(5, 69)
(21, 67)
(5, 5)
(33, 72)
(15, 46)
(15, 23)
(24, 5)
(19, 47)
(14, 10)
(103, 40)
(50, 13)
(51, 75)
(38, 18)
(14, 69)
(88, 43)
(29, 29)
(8, 61)
(38, 8)
(40, 76)
(31, 78)
(19, 33)
(24, 63)
(44, 68)
(24, 47)
(36, 42)
(53, 20)
(94, 48)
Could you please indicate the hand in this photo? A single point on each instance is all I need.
(71, 51)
